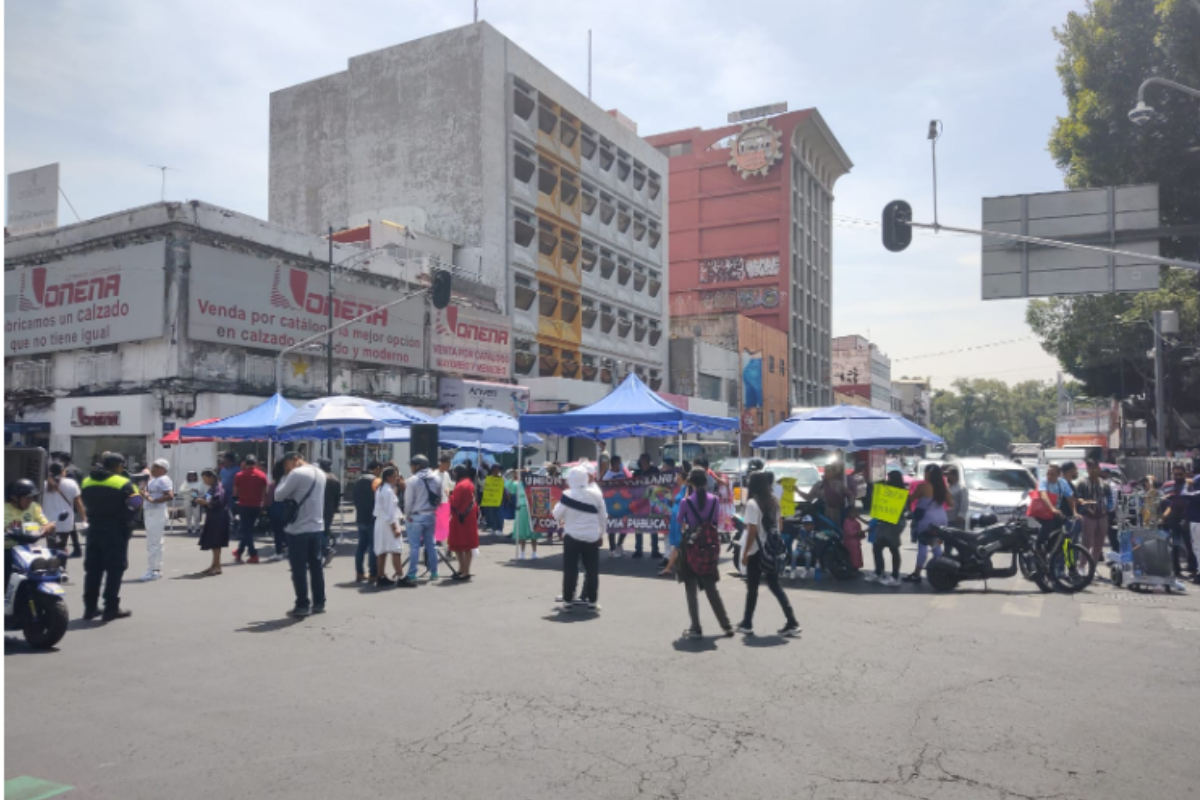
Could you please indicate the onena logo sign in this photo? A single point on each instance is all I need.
(81, 419)
(36, 295)
(446, 323)
(299, 298)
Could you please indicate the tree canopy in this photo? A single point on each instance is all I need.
(985, 416)
(1107, 51)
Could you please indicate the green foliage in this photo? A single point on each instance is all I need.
(1107, 51)
(983, 416)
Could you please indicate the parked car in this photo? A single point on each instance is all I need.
(996, 485)
(805, 475)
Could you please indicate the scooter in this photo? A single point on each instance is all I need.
(34, 601)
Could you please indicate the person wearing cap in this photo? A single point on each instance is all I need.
(304, 485)
(422, 497)
(109, 499)
(249, 497)
(333, 499)
(159, 493)
(61, 496)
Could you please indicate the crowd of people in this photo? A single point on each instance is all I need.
(298, 503)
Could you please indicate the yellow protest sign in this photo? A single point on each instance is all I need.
(787, 503)
(887, 503)
(493, 492)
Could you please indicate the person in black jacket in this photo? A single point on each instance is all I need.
(110, 498)
(364, 519)
(333, 499)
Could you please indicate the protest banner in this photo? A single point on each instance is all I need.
(887, 503)
(634, 505)
(493, 492)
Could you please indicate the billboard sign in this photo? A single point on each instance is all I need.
(758, 111)
(1105, 217)
(85, 300)
(456, 393)
(242, 299)
(756, 149)
(470, 342)
(33, 200)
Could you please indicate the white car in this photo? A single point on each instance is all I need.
(995, 485)
(804, 473)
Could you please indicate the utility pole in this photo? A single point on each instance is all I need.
(329, 305)
(1160, 426)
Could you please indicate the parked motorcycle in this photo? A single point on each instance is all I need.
(34, 601)
(968, 556)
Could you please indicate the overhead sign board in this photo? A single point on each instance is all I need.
(238, 298)
(87, 300)
(33, 200)
(472, 343)
(455, 393)
(1107, 217)
(758, 111)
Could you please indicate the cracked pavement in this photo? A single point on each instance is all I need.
(482, 690)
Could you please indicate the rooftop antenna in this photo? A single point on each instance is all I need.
(477, 10)
(589, 63)
(163, 168)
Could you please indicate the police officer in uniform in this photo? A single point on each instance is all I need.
(109, 497)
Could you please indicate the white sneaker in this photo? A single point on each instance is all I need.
(520, 556)
(533, 554)
(871, 577)
(150, 575)
(889, 581)
(801, 572)
(789, 573)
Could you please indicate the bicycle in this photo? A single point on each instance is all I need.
(1057, 561)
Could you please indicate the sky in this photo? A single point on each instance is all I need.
(108, 88)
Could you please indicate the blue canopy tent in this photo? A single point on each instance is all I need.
(260, 422)
(846, 428)
(392, 434)
(343, 415)
(630, 410)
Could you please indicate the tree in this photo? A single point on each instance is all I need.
(1107, 51)
(986, 416)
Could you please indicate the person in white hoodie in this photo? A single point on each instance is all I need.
(584, 518)
(388, 534)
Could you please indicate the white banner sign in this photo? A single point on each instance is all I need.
(241, 299)
(456, 393)
(33, 200)
(470, 342)
(85, 300)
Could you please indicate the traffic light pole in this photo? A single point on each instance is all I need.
(1090, 248)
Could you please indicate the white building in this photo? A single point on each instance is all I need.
(916, 399)
(860, 368)
(557, 203)
(122, 328)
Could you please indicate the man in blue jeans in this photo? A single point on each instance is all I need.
(364, 518)
(304, 484)
(422, 495)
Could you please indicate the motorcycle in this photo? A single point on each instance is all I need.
(968, 555)
(34, 601)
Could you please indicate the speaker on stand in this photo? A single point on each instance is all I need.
(423, 440)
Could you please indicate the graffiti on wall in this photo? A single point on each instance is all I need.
(737, 268)
(739, 299)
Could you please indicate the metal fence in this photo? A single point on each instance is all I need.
(1139, 467)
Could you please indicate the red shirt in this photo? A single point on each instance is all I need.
(250, 486)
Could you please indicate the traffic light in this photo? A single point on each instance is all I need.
(441, 288)
(897, 234)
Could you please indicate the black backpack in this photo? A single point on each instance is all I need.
(770, 545)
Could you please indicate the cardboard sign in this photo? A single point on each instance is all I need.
(887, 503)
(493, 492)
(787, 503)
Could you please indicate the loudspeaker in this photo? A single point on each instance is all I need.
(423, 440)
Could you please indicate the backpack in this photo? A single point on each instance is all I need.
(703, 542)
(284, 512)
(770, 545)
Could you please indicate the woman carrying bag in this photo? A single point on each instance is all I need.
(698, 516)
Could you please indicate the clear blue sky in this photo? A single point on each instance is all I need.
(107, 88)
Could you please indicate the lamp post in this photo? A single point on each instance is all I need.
(1142, 113)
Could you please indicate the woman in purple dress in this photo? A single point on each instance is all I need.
(214, 535)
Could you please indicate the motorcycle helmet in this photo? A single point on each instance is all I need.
(22, 488)
(756, 465)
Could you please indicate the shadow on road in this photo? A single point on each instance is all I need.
(270, 625)
(571, 616)
(707, 644)
(16, 646)
(764, 641)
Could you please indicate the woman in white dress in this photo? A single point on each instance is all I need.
(389, 537)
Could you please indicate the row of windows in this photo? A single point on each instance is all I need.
(554, 121)
(564, 248)
(565, 188)
(565, 305)
(551, 361)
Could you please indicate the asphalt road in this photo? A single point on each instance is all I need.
(482, 690)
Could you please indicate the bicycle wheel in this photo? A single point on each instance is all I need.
(1072, 567)
(1033, 572)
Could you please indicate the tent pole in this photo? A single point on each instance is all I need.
(521, 488)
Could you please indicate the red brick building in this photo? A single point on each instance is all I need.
(751, 233)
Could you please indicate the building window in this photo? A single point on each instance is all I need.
(589, 255)
(547, 119)
(623, 218)
(639, 226)
(524, 292)
(31, 375)
(607, 209)
(547, 238)
(639, 178)
(523, 104)
(523, 228)
(567, 132)
(547, 177)
(655, 186)
(607, 264)
(589, 313)
(623, 167)
(655, 234)
(709, 386)
(587, 144)
(258, 370)
(589, 199)
(771, 364)
(523, 163)
(607, 157)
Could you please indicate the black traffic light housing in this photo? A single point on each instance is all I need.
(897, 234)
(440, 291)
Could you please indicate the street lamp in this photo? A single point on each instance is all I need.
(1142, 113)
